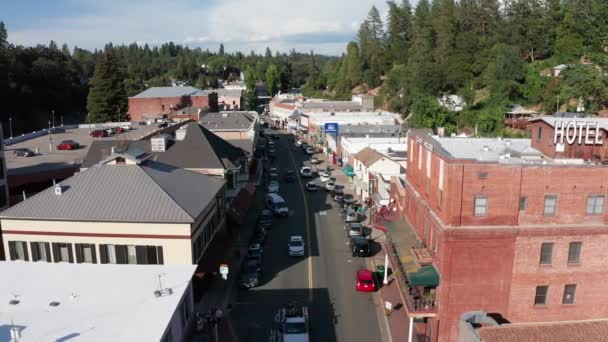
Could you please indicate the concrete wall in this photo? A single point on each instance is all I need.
(153, 107)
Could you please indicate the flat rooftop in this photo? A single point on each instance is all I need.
(330, 105)
(96, 302)
(228, 121)
(156, 92)
(47, 160)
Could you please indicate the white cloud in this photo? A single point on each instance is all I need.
(240, 24)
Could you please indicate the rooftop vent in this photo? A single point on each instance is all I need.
(159, 144)
(486, 148)
(54, 304)
(58, 190)
(162, 292)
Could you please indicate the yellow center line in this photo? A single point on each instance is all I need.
(307, 222)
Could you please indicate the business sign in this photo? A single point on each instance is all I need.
(424, 143)
(331, 127)
(580, 132)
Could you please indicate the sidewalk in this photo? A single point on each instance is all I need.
(398, 320)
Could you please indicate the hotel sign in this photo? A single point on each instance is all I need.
(580, 132)
(424, 143)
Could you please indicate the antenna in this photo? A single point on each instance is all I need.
(15, 333)
(161, 292)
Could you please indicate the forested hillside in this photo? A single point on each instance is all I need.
(490, 52)
(37, 80)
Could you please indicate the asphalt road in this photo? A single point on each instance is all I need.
(325, 282)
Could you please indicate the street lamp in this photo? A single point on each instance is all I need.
(53, 114)
(61, 120)
(50, 138)
(10, 124)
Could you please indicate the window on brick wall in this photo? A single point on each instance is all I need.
(546, 253)
(550, 205)
(595, 204)
(440, 198)
(539, 134)
(569, 291)
(481, 205)
(523, 203)
(541, 295)
(574, 252)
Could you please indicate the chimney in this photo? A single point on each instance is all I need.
(112, 150)
(58, 190)
(441, 131)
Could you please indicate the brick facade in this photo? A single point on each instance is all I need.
(141, 109)
(491, 262)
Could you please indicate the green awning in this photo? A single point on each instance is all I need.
(426, 276)
(348, 170)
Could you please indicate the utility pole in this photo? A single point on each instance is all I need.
(61, 120)
(50, 138)
(10, 124)
(53, 114)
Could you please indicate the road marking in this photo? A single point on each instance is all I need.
(307, 222)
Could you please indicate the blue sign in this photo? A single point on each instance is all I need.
(331, 128)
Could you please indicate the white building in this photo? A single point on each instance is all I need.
(353, 145)
(95, 303)
(452, 102)
(369, 165)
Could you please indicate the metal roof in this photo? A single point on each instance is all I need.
(227, 121)
(155, 92)
(150, 192)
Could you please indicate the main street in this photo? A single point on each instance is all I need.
(324, 280)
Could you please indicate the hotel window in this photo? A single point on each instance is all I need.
(574, 252)
(85, 253)
(595, 204)
(128, 254)
(18, 250)
(481, 205)
(569, 291)
(440, 198)
(41, 251)
(523, 203)
(541, 295)
(62, 252)
(546, 253)
(550, 205)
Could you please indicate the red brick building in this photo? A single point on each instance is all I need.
(507, 226)
(159, 102)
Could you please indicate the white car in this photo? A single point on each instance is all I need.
(299, 142)
(126, 127)
(324, 176)
(351, 216)
(311, 186)
(306, 172)
(296, 246)
(272, 187)
(330, 186)
(310, 150)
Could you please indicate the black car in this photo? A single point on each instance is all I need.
(164, 125)
(255, 252)
(290, 176)
(265, 218)
(360, 246)
(310, 186)
(338, 195)
(251, 273)
(348, 200)
(24, 152)
(276, 136)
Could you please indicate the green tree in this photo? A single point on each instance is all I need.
(221, 52)
(3, 36)
(272, 79)
(251, 79)
(399, 25)
(107, 100)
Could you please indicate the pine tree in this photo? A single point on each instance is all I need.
(107, 100)
(3, 36)
(251, 79)
(444, 24)
(268, 54)
(221, 52)
(272, 79)
(399, 24)
(65, 49)
(52, 45)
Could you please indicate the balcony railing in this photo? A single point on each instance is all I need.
(416, 302)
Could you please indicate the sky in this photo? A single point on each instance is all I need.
(324, 26)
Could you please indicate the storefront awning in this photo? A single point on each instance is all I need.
(425, 276)
(348, 170)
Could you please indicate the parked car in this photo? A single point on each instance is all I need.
(277, 204)
(310, 151)
(127, 127)
(260, 235)
(119, 129)
(275, 136)
(290, 176)
(348, 200)
(324, 176)
(296, 246)
(24, 152)
(68, 145)
(270, 143)
(310, 186)
(273, 172)
(330, 186)
(250, 274)
(355, 229)
(360, 246)
(100, 133)
(111, 130)
(315, 160)
(273, 186)
(255, 252)
(306, 172)
(338, 195)
(164, 125)
(265, 218)
(304, 146)
(365, 281)
(299, 142)
(351, 216)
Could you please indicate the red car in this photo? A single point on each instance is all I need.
(100, 133)
(68, 145)
(365, 281)
(119, 130)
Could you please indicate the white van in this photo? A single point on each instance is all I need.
(277, 204)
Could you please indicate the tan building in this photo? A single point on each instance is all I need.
(238, 128)
(128, 210)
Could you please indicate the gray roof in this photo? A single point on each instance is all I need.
(155, 92)
(200, 149)
(331, 105)
(227, 121)
(244, 144)
(149, 192)
(370, 129)
(488, 149)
